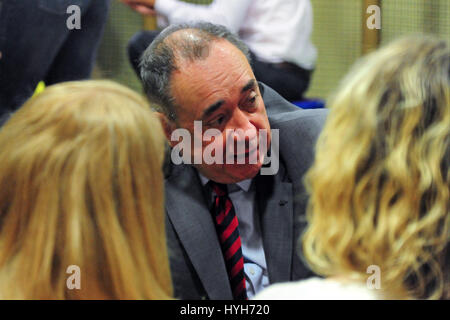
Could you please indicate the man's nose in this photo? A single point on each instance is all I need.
(242, 132)
(240, 120)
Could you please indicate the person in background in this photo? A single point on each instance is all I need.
(81, 185)
(36, 44)
(278, 33)
(379, 187)
(232, 222)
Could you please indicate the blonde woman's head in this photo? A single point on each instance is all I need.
(379, 185)
(81, 184)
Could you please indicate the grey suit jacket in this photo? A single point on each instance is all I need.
(196, 261)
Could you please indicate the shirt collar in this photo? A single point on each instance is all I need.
(244, 184)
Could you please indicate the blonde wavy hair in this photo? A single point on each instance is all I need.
(379, 186)
(81, 184)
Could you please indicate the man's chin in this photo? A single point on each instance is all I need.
(236, 174)
(230, 173)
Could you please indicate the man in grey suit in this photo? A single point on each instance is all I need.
(200, 73)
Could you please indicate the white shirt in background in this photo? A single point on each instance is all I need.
(275, 30)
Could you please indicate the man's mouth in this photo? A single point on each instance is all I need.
(248, 153)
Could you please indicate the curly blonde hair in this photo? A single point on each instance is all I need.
(81, 184)
(379, 186)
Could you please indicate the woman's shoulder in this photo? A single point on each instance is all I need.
(317, 289)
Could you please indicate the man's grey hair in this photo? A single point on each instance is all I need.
(159, 60)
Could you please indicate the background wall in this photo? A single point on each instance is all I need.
(337, 35)
(337, 32)
(112, 60)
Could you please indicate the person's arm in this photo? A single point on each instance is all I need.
(145, 7)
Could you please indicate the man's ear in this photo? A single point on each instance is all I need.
(168, 126)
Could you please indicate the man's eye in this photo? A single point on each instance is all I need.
(216, 121)
(251, 101)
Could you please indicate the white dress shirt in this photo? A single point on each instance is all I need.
(275, 30)
(242, 195)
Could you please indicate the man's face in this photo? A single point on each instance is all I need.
(221, 91)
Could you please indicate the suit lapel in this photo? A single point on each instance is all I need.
(188, 212)
(275, 206)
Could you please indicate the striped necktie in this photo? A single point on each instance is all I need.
(227, 227)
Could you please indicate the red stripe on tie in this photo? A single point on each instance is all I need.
(229, 230)
(232, 250)
(237, 267)
(221, 216)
